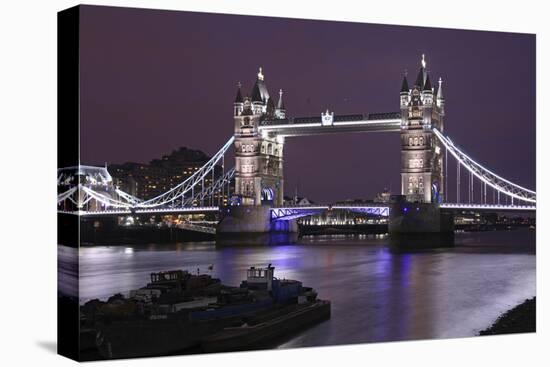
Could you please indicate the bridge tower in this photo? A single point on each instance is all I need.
(421, 152)
(259, 158)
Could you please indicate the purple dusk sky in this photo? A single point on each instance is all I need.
(155, 80)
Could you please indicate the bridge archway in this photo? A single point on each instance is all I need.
(267, 195)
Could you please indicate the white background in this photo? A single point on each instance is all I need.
(28, 185)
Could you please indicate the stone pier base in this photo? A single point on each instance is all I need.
(252, 219)
(419, 218)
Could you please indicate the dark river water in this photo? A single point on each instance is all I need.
(378, 293)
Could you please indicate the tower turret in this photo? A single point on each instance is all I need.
(258, 156)
(440, 101)
(257, 101)
(421, 161)
(239, 101)
(427, 91)
(259, 94)
(428, 85)
(404, 94)
(280, 111)
(422, 74)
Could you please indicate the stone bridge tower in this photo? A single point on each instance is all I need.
(258, 157)
(422, 178)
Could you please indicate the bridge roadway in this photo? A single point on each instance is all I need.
(487, 207)
(303, 126)
(288, 213)
(184, 210)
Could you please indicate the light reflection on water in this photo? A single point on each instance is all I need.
(378, 293)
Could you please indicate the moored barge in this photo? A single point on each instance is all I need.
(179, 312)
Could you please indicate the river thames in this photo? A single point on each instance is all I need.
(378, 293)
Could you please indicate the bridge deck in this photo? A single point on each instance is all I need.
(487, 207)
(386, 122)
(185, 210)
(381, 209)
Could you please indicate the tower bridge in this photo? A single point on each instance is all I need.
(261, 127)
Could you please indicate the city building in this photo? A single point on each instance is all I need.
(146, 181)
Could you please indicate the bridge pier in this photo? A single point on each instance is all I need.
(419, 218)
(252, 219)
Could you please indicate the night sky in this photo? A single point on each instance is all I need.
(152, 81)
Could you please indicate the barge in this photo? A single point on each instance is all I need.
(179, 313)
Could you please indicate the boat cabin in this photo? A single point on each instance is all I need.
(167, 276)
(260, 278)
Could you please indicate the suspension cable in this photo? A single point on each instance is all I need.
(485, 175)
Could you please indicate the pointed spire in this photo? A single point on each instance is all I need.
(422, 74)
(427, 84)
(239, 97)
(280, 104)
(440, 90)
(256, 96)
(405, 84)
(259, 91)
(260, 74)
